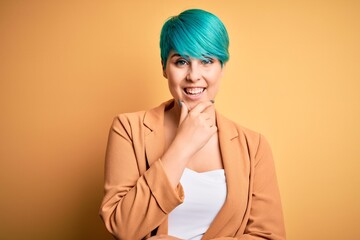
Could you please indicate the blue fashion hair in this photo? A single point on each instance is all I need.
(194, 33)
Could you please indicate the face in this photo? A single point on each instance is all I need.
(193, 80)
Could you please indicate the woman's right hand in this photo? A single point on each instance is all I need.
(196, 127)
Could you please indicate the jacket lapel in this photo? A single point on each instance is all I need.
(237, 169)
(155, 142)
(154, 135)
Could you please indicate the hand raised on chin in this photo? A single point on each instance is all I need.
(196, 126)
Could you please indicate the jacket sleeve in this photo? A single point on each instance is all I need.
(266, 217)
(134, 204)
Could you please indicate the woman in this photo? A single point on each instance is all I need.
(181, 170)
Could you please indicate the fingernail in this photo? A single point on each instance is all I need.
(212, 101)
(180, 103)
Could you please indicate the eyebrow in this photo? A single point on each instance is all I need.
(186, 57)
(175, 55)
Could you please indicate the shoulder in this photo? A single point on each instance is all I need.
(234, 129)
(253, 141)
(135, 121)
(258, 145)
(124, 124)
(129, 118)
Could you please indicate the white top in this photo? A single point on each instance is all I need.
(205, 194)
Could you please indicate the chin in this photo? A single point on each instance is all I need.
(192, 104)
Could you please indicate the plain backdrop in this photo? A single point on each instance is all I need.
(68, 67)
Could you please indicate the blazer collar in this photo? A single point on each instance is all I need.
(154, 132)
(154, 117)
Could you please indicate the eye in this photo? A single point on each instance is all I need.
(181, 62)
(207, 61)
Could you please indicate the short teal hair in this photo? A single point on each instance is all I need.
(195, 33)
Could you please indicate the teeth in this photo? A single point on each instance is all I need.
(194, 91)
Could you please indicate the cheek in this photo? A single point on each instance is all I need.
(216, 76)
(174, 84)
(174, 77)
(172, 88)
(172, 81)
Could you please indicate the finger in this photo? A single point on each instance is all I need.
(184, 111)
(209, 113)
(210, 122)
(214, 129)
(201, 107)
(206, 115)
(210, 110)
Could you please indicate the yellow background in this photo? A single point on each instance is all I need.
(68, 67)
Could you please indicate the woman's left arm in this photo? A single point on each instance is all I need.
(265, 221)
(266, 217)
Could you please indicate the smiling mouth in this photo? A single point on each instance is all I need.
(194, 91)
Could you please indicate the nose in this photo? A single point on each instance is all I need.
(194, 73)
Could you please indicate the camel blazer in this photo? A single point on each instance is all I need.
(138, 195)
